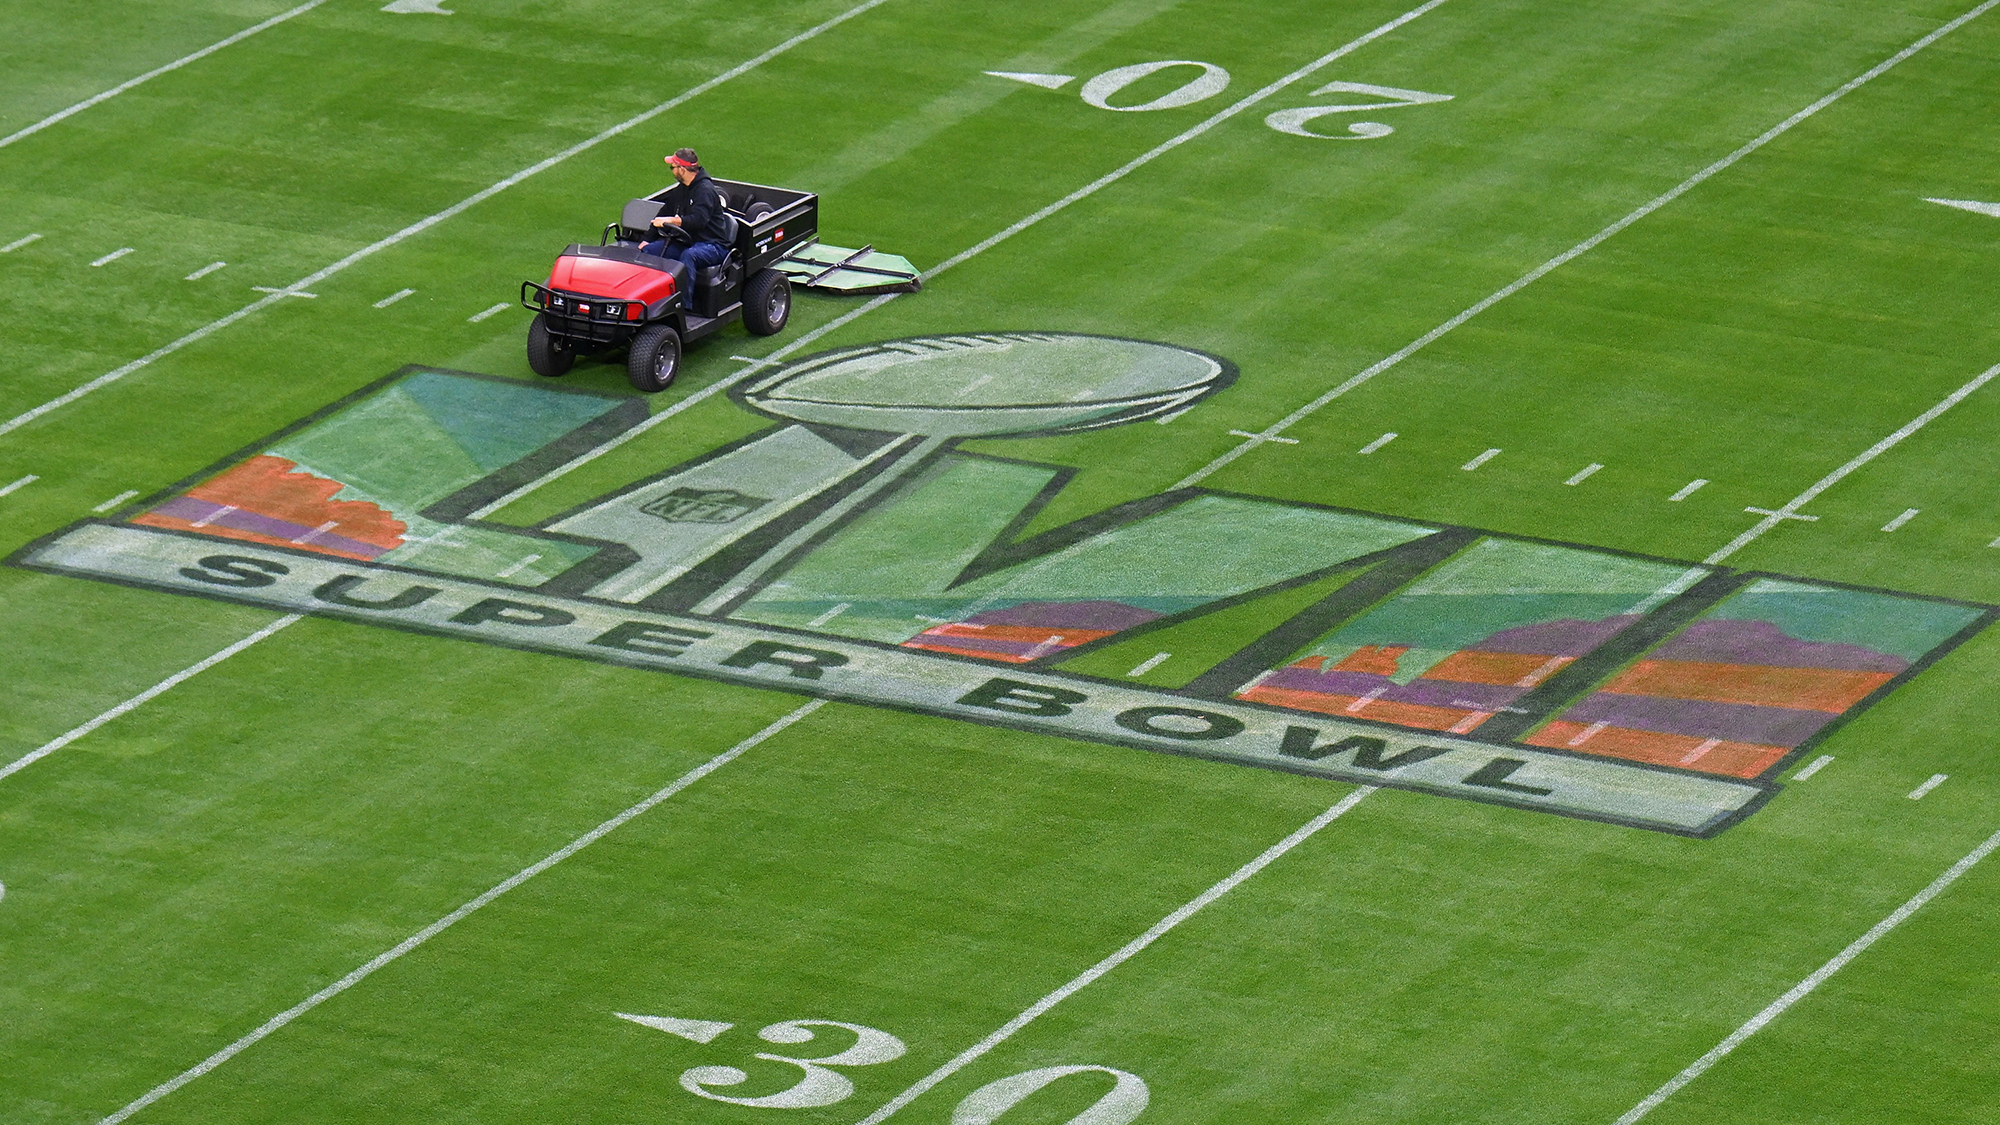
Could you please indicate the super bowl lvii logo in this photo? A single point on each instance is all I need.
(857, 548)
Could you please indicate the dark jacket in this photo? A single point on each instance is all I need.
(701, 211)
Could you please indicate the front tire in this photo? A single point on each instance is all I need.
(767, 303)
(548, 358)
(655, 358)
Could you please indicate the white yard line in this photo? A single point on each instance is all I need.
(394, 297)
(1817, 764)
(115, 501)
(1479, 460)
(410, 943)
(204, 271)
(10, 489)
(1687, 490)
(168, 684)
(425, 224)
(1805, 987)
(1908, 515)
(1774, 517)
(961, 257)
(1150, 663)
(157, 71)
(1921, 791)
(113, 256)
(475, 318)
(1124, 953)
(1584, 473)
(19, 242)
(1591, 243)
(1377, 444)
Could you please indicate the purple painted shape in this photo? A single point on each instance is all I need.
(239, 519)
(1726, 641)
(1426, 692)
(1103, 615)
(1568, 637)
(1735, 722)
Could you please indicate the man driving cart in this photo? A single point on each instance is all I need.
(702, 226)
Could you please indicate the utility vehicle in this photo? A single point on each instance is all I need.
(612, 295)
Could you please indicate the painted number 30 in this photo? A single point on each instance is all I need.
(1210, 80)
(819, 1084)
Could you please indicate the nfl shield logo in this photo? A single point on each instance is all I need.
(697, 505)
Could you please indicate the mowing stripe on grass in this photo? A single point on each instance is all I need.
(161, 688)
(425, 224)
(157, 71)
(1125, 953)
(1589, 244)
(1805, 987)
(961, 257)
(410, 943)
(1774, 517)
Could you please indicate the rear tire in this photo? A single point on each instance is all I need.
(548, 358)
(767, 303)
(655, 358)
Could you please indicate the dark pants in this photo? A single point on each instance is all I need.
(695, 254)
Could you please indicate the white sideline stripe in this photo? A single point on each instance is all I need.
(1591, 243)
(1817, 765)
(1125, 953)
(204, 271)
(425, 224)
(1150, 663)
(1687, 490)
(393, 298)
(962, 256)
(1479, 460)
(1802, 989)
(1583, 474)
(1790, 510)
(1936, 780)
(475, 318)
(6, 490)
(166, 685)
(113, 256)
(1377, 444)
(18, 243)
(157, 71)
(115, 501)
(435, 928)
(1908, 515)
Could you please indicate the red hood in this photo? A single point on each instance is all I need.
(602, 277)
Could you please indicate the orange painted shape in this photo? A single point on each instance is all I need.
(1379, 660)
(1802, 689)
(272, 486)
(1023, 634)
(1504, 668)
(1729, 759)
(1380, 710)
(981, 653)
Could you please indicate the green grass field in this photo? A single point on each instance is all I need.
(368, 868)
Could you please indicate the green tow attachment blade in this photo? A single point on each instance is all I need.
(840, 270)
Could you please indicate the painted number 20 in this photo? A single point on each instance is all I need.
(1212, 80)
